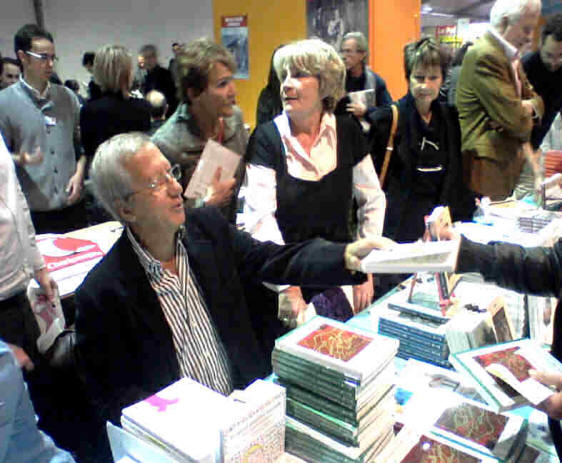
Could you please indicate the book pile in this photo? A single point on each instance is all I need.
(187, 421)
(420, 337)
(466, 424)
(340, 394)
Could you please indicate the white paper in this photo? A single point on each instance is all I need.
(214, 155)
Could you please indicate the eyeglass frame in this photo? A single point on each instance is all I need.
(173, 173)
(42, 56)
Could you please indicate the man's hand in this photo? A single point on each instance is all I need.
(291, 304)
(74, 188)
(21, 357)
(355, 251)
(46, 282)
(553, 405)
(220, 193)
(30, 159)
(357, 109)
(363, 295)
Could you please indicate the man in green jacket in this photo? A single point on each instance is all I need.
(497, 105)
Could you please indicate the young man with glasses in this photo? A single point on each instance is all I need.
(40, 124)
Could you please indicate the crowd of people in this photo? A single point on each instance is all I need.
(197, 291)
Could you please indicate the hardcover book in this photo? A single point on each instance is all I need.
(466, 423)
(429, 256)
(501, 372)
(413, 446)
(355, 354)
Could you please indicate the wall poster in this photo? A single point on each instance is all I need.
(330, 20)
(234, 37)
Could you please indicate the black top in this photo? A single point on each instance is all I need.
(94, 90)
(548, 85)
(309, 209)
(415, 183)
(161, 79)
(354, 84)
(111, 115)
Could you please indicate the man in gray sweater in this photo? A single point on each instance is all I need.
(40, 124)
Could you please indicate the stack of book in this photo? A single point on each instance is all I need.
(340, 394)
(189, 422)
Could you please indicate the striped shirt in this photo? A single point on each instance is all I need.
(200, 353)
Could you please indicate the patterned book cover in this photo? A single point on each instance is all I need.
(518, 365)
(473, 423)
(335, 342)
(428, 450)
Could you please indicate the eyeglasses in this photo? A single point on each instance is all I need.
(43, 56)
(158, 184)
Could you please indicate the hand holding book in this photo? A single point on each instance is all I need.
(553, 405)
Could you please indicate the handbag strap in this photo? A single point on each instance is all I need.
(389, 145)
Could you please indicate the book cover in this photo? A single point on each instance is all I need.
(356, 354)
(466, 423)
(214, 156)
(413, 446)
(48, 315)
(501, 372)
(429, 256)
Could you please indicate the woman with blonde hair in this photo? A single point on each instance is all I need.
(115, 111)
(308, 170)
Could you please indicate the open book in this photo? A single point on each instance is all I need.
(431, 256)
(501, 372)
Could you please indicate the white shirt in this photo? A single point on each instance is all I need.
(19, 256)
(259, 189)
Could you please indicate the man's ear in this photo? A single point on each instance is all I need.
(124, 210)
(503, 25)
(21, 55)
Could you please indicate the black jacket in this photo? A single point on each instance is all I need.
(110, 115)
(400, 176)
(527, 270)
(124, 343)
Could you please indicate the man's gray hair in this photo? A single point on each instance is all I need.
(512, 10)
(360, 40)
(110, 179)
(149, 49)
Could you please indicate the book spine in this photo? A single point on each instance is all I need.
(308, 448)
(414, 337)
(344, 398)
(342, 432)
(319, 403)
(429, 314)
(439, 337)
(313, 367)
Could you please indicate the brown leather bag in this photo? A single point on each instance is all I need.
(389, 145)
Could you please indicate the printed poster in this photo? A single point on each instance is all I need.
(234, 37)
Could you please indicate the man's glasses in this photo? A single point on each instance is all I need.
(43, 56)
(158, 184)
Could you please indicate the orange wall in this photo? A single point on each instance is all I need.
(270, 23)
(392, 25)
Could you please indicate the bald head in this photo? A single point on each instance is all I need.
(158, 104)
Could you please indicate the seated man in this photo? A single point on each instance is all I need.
(167, 300)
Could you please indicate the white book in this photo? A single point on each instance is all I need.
(185, 418)
(49, 315)
(214, 155)
(510, 362)
(429, 256)
(354, 353)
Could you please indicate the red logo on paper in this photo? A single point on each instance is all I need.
(60, 251)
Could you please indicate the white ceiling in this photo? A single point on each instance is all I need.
(446, 12)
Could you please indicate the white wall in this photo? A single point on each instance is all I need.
(14, 14)
(84, 25)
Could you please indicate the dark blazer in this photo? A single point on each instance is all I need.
(124, 343)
